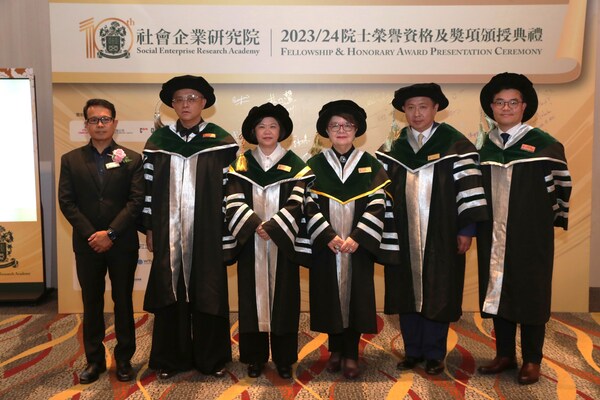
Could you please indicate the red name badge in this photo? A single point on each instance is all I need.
(528, 147)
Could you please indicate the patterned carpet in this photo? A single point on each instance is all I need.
(42, 354)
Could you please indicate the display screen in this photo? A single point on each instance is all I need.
(18, 152)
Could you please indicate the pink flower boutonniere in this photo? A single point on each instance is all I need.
(119, 156)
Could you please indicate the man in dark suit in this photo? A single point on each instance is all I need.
(101, 194)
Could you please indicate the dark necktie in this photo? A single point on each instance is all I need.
(505, 136)
(185, 132)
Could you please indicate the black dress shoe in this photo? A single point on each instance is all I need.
(334, 364)
(409, 363)
(351, 369)
(91, 373)
(529, 373)
(254, 370)
(284, 371)
(124, 371)
(166, 373)
(498, 364)
(219, 373)
(434, 367)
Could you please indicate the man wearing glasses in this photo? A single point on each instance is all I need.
(101, 194)
(184, 166)
(438, 198)
(527, 186)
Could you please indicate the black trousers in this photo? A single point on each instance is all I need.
(254, 348)
(423, 337)
(345, 343)
(91, 273)
(183, 338)
(532, 340)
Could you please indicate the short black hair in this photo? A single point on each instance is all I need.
(282, 132)
(102, 103)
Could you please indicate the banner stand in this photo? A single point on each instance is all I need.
(22, 269)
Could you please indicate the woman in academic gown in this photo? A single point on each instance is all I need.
(345, 220)
(265, 194)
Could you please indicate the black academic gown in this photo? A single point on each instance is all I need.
(516, 263)
(433, 283)
(289, 177)
(363, 186)
(212, 151)
(187, 286)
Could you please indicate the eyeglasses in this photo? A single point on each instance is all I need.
(501, 103)
(95, 120)
(348, 127)
(192, 98)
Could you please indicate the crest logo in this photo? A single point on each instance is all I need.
(6, 239)
(110, 38)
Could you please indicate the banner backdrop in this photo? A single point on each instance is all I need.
(286, 54)
(21, 250)
(451, 42)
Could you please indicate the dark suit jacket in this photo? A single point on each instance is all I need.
(90, 206)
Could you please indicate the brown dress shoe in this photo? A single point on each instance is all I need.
(351, 370)
(498, 364)
(529, 373)
(334, 364)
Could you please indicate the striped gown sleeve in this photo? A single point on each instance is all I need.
(302, 246)
(389, 248)
(241, 220)
(230, 243)
(368, 232)
(559, 185)
(284, 226)
(318, 230)
(148, 161)
(470, 197)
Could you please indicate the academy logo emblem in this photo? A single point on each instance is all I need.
(6, 239)
(111, 38)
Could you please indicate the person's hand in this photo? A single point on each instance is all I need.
(464, 243)
(149, 245)
(349, 246)
(336, 244)
(100, 242)
(262, 233)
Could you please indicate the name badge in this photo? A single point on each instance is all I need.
(285, 168)
(432, 157)
(364, 170)
(112, 165)
(209, 135)
(528, 147)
